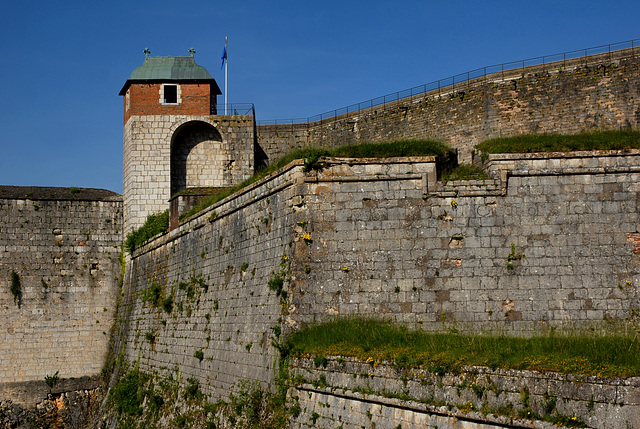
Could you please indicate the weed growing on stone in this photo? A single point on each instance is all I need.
(513, 256)
(154, 225)
(152, 295)
(276, 283)
(199, 355)
(464, 172)
(52, 380)
(320, 361)
(167, 304)
(16, 288)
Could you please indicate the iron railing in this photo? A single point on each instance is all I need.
(461, 79)
(236, 109)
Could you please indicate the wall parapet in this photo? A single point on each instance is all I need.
(505, 165)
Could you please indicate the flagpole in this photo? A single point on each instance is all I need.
(226, 64)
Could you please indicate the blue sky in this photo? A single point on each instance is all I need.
(64, 62)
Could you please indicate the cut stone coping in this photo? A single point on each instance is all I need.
(43, 193)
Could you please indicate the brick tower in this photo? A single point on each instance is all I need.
(174, 139)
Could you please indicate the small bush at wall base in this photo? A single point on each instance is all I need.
(192, 389)
(125, 395)
(52, 380)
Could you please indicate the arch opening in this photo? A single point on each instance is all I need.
(196, 157)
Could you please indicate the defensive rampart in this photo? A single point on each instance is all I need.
(595, 92)
(59, 273)
(549, 241)
(199, 301)
(552, 239)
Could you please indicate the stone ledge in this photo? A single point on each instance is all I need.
(591, 399)
(29, 393)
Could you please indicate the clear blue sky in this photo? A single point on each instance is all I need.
(64, 62)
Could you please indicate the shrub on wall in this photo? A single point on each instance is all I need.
(16, 288)
(154, 225)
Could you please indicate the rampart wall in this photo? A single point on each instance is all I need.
(598, 92)
(550, 240)
(64, 253)
(214, 270)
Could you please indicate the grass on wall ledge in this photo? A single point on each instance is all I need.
(528, 143)
(586, 353)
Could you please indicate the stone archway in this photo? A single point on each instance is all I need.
(196, 157)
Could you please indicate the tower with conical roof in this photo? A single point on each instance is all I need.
(174, 139)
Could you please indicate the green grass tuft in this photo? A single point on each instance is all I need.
(588, 354)
(154, 225)
(464, 172)
(601, 140)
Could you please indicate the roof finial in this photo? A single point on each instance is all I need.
(192, 51)
(146, 53)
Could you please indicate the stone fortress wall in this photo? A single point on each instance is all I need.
(63, 245)
(214, 270)
(549, 241)
(584, 94)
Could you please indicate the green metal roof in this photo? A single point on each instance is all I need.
(165, 69)
(169, 68)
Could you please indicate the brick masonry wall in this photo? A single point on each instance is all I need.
(586, 94)
(145, 99)
(553, 242)
(147, 159)
(65, 254)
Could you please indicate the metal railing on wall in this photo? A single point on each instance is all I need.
(462, 79)
(236, 109)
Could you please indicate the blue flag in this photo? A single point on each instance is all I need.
(224, 56)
